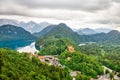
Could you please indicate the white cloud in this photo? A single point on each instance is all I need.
(76, 13)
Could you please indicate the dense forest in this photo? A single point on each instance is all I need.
(88, 59)
(19, 66)
(52, 46)
(59, 31)
(78, 61)
(109, 56)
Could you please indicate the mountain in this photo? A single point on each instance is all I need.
(44, 24)
(102, 30)
(112, 38)
(59, 31)
(14, 32)
(33, 27)
(86, 31)
(45, 31)
(30, 26)
(79, 32)
(8, 21)
(13, 36)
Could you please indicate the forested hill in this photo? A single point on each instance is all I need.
(111, 38)
(53, 46)
(13, 36)
(11, 32)
(59, 31)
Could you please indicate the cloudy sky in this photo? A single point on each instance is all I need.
(75, 13)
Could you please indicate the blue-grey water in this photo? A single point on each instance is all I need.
(28, 48)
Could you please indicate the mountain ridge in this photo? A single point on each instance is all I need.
(59, 31)
(63, 31)
(14, 36)
(30, 26)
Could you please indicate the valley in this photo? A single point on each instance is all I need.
(59, 40)
(79, 57)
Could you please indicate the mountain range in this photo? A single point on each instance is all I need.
(63, 31)
(34, 27)
(13, 32)
(110, 38)
(30, 26)
(88, 31)
(102, 30)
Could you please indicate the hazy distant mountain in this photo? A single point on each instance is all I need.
(59, 31)
(34, 27)
(44, 24)
(30, 26)
(86, 31)
(9, 21)
(104, 30)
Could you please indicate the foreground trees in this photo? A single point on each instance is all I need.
(78, 61)
(19, 66)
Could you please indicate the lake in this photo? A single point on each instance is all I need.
(14, 44)
(29, 48)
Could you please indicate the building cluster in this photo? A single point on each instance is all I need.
(51, 60)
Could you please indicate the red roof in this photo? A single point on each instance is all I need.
(41, 57)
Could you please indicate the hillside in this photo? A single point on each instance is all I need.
(13, 36)
(23, 66)
(111, 38)
(52, 46)
(59, 31)
(78, 61)
(14, 32)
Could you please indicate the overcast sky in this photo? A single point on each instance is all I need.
(75, 13)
